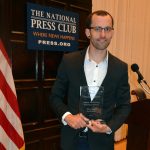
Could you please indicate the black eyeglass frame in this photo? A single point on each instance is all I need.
(99, 28)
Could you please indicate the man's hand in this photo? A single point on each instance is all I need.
(76, 121)
(97, 126)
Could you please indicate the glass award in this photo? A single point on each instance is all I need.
(91, 102)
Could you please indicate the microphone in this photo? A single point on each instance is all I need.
(135, 68)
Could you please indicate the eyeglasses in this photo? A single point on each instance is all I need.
(100, 29)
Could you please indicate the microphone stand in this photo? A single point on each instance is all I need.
(140, 82)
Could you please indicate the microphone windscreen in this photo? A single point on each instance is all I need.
(134, 67)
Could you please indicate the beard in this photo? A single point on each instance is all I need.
(100, 44)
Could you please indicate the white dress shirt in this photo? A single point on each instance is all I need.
(95, 73)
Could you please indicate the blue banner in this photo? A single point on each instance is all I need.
(52, 29)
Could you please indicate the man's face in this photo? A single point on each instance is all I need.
(101, 32)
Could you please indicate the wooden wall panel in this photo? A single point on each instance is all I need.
(35, 71)
(51, 60)
(29, 102)
(17, 15)
(24, 62)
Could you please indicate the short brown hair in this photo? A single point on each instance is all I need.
(98, 13)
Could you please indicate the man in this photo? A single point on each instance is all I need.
(94, 66)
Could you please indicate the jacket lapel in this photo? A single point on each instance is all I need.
(110, 71)
(82, 76)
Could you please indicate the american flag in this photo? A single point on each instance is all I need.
(11, 132)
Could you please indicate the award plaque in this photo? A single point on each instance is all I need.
(91, 102)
